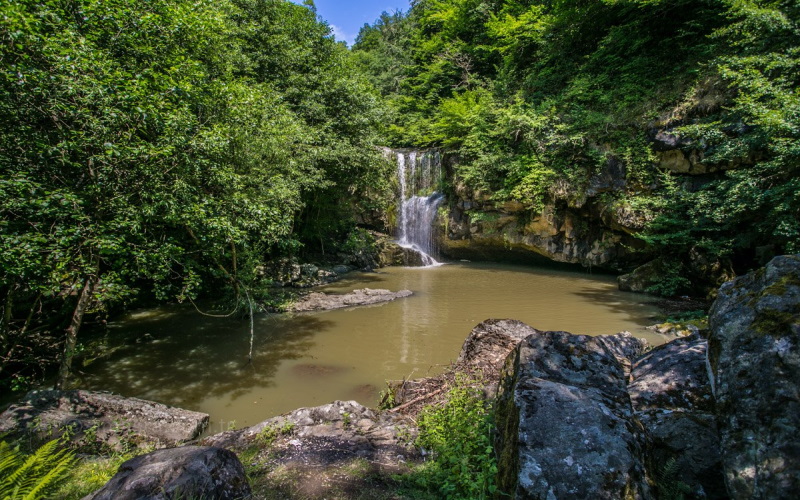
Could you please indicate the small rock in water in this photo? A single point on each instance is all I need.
(320, 301)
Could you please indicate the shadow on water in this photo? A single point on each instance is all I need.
(618, 303)
(358, 279)
(187, 357)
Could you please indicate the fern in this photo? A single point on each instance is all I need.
(31, 477)
(667, 483)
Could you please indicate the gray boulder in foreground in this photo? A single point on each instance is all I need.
(101, 417)
(565, 422)
(320, 301)
(671, 394)
(186, 472)
(754, 355)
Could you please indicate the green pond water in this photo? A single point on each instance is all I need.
(178, 357)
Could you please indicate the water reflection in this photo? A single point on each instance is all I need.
(175, 356)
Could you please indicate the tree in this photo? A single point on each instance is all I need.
(134, 157)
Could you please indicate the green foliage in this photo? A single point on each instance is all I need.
(671, 284)
(34, 476)
(667, 483)
(688, 316)
(89, 474)
(538, 98)
(458, 435)
(166, 148)
(386, 399)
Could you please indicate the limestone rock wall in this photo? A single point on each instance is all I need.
(573, 226)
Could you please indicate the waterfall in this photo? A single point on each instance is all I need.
(419, 174)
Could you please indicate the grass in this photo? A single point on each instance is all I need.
(89, 475)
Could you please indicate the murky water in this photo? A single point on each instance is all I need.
(200, 363)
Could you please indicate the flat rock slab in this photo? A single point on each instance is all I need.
(102, 418)
(317, 452)
(565, 422)
(754, 353)
(320, 301)
(185, 472)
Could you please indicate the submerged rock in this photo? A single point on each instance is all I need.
(754, 355)
(671, 394)
(565, 422)
(186, 472)
(102, 418)
(320, 301)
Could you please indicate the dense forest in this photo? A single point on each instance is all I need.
(167, 149)
(163, 150)
(536, 97)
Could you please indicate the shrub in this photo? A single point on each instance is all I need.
(458, 436)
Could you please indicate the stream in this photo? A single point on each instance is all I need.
(178, 357)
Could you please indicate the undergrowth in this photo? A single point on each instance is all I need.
(32, 476)
(457, 435)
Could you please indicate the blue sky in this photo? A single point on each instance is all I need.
(347, 17)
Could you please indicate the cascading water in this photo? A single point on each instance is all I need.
(419, 174)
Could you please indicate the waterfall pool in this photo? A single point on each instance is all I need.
(176, 356)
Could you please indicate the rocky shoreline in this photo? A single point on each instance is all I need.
(577, 416)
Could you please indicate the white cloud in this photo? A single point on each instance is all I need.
(340, 34)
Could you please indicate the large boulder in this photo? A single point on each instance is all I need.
(565, 421)
(671, 394)
(101, 418)
(186, 472)
(482, 356)
(488, 345)
(643, 277)
(754, 355)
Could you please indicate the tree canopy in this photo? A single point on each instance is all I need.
(537, 96)
(167, 147)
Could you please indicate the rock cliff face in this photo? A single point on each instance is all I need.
(754, 357)
(587, 231)
(590, 224)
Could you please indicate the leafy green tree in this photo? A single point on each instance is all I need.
(162, 147)
(291, 51)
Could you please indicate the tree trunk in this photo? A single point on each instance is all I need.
(72, 331)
